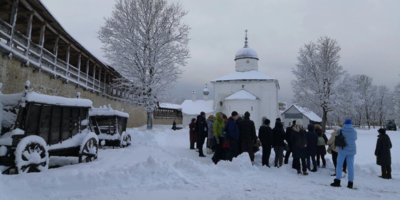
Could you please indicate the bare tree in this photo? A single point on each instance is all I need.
(147, 43)
(318, 75)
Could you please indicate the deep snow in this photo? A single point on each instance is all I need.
(159, 165)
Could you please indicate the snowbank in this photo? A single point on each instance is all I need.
(159, 165)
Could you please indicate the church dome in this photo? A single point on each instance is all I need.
(246, 52)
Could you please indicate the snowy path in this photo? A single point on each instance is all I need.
(159, 165)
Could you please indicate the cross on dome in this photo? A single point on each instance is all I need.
(245, 42)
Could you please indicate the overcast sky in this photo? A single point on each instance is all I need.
(367, 31)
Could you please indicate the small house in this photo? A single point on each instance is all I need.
(296, 112)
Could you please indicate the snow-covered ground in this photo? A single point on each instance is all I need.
(159, 165)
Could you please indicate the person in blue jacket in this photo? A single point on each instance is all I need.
(348, 153)
(232, 135)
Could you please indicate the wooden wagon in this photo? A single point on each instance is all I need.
(37, 126)
(110, 126)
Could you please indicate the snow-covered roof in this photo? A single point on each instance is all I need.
(248, 75)
(191, 107)
(246, 52)
(241, 95)
(306, 112)
(55, 100)
(170, 106)
(107, 112)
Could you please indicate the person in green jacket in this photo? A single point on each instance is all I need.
(218, 127)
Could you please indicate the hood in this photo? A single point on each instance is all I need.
(297, 128)
(310, 128)
(278, 125)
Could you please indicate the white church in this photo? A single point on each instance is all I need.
(246, 89)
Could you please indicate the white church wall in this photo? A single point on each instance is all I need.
(246, 65)
(265, 90)
(242, 106)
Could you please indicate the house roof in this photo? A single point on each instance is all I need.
(248, 75)
(306, 112)
(171, 106)
(241, 95)
(191, 107)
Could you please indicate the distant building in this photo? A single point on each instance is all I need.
(296, 112)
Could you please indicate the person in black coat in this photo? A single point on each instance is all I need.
(289, 141)
(299, 152)
(279, 143)
(267, 140)
(312, 140)
(382, 153)
(202, 132)
(248, 136)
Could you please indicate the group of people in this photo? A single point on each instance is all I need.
(229, 137)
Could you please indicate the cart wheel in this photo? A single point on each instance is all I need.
(89, 151)
(125, 139)
(128, 139)
(31, 155)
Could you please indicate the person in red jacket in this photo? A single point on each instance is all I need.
(193, 134)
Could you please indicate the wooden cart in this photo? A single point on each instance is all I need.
(37, 126)
(110, 126)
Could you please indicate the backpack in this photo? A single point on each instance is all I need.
(301, 139)
(321, 141)
(339, 140)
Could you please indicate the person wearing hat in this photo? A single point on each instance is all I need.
(202, 132)
(267, 141)
(348, 152)
(232, 135)
(382, 153)
(248, 135)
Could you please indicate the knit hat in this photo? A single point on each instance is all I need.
(247, 114)
(211, 117)
(234, 113)
(382, 131)
(267, 121)
(202, 113)
(299, 122)
(278, 119)
(348, 121)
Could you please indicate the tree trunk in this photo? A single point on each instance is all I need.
(324, 119)
(149, 120)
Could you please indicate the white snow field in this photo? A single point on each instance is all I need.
(159, 165)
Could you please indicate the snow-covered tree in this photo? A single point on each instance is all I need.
(318, 75)
(367, 94)
(146, 41)
(384, 104)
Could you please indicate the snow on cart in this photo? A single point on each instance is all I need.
(110, 126)
(36, 126)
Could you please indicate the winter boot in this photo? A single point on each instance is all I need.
(202, 155)
(336, 183)
(350, 185)
(333, 175)
(305, 173)
(314, 170)
(298, 172)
